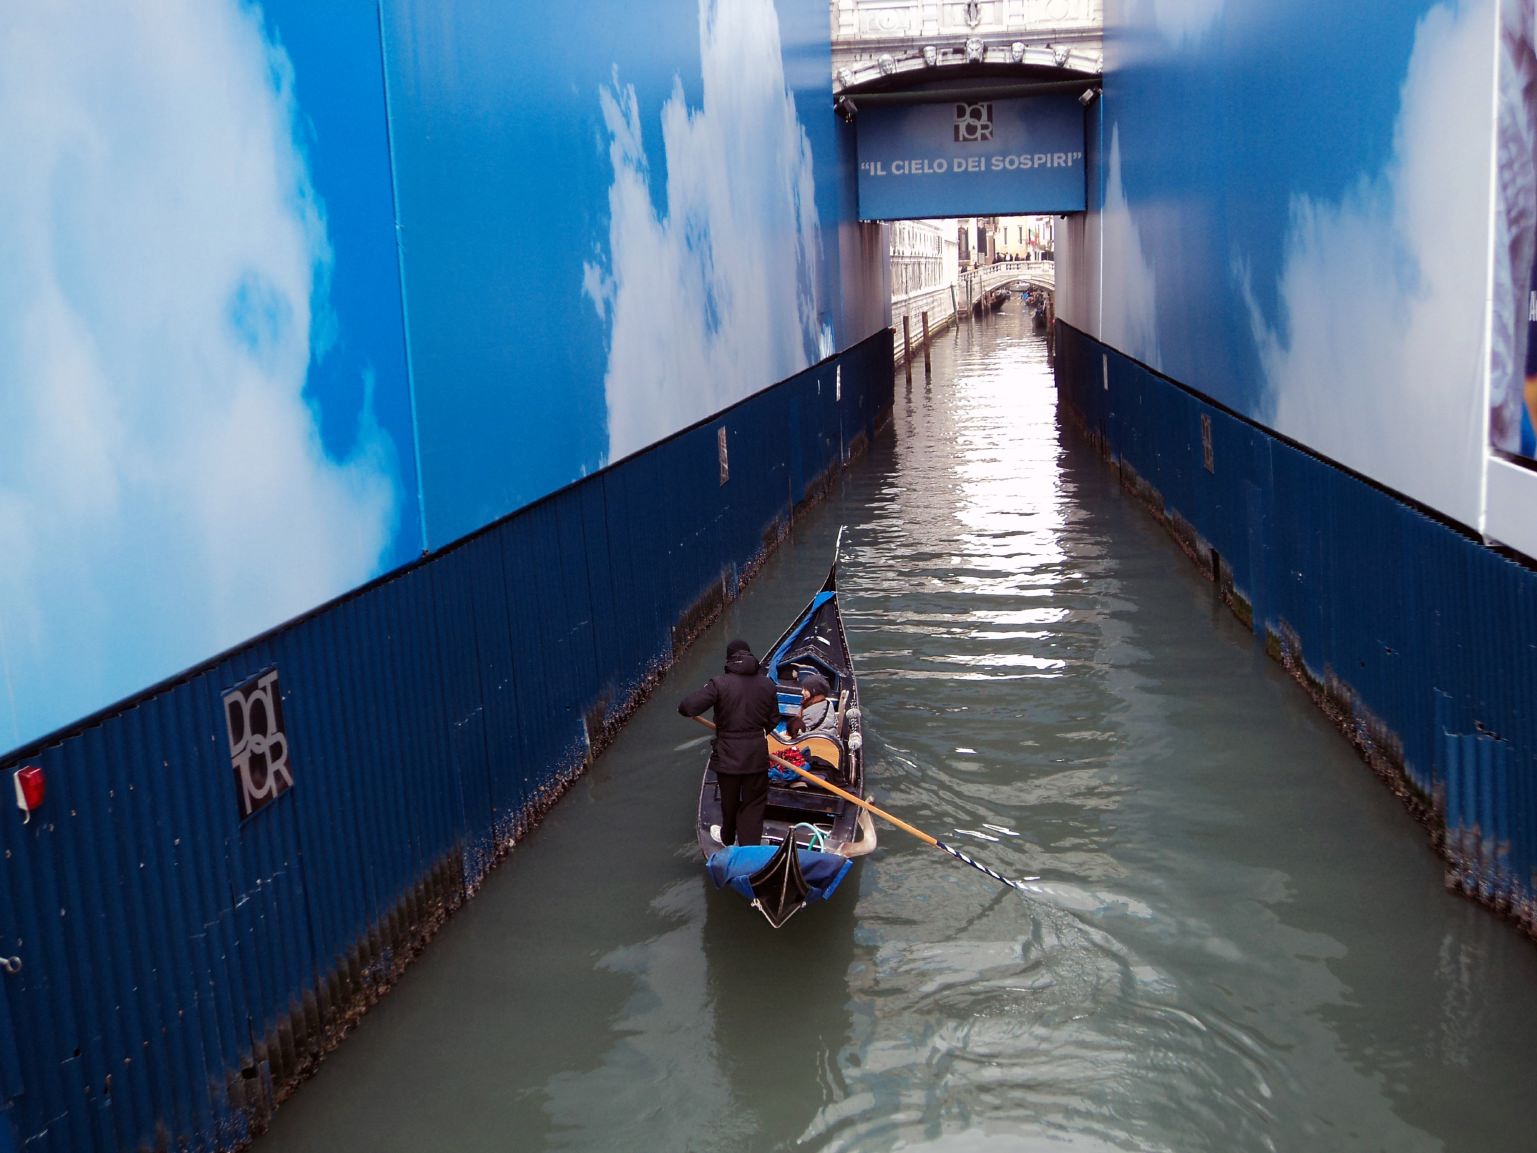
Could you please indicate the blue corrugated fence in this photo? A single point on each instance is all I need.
(1420, 641)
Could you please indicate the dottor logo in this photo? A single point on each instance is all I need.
(258, 746)
(973, 122)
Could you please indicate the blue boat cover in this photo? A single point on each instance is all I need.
(735, 864)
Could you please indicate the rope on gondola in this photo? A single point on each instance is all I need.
(818, 839)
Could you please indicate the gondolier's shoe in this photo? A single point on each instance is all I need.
(715, 834)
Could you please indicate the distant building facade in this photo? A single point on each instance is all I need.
(924, 256)
(1025, 237)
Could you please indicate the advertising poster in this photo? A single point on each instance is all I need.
(1513, 343)
(1015, 157)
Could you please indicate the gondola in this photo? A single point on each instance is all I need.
(811, 837)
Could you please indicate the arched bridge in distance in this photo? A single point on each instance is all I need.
(1010, 274)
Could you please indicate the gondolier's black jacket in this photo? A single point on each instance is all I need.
(746, 707)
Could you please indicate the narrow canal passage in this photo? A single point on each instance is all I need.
(1239, 940)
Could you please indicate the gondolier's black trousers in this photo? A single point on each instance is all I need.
(743, 797)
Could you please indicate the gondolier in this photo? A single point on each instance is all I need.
(810, 836)
(746, 708)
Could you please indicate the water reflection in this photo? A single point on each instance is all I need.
(780, 1004)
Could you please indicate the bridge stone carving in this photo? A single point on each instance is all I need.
(880, 37)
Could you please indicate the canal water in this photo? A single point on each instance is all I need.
(1239, 940)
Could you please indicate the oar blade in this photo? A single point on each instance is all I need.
(981, 868)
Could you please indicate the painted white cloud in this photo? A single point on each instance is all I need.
(715, 296)
(1130, 304)
(1183, 22)
(1379, 358)
(163, 489)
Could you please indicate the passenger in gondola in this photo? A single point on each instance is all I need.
(746, 708)
(818, 717)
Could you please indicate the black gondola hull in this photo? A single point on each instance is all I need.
(819, 823)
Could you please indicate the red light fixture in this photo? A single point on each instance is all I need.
(29, 790)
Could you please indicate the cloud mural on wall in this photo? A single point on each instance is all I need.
(714, 294)
(1129, 318)
(164, 491)
(1182, 22)
(1378, 357)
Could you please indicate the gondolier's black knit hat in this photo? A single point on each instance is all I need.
(737, 646)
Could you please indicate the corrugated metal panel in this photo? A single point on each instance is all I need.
(1424, 640)
(473, 664)
(637, 550)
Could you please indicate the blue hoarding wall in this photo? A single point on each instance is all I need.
(331, 285)
(1415, 638)
(968, 157)
(1315, 260)
(223, 873)
(663, 184)
(323, 288)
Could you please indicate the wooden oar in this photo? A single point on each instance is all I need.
(885, 816)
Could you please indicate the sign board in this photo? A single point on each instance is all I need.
(258, 742)
(1013, 157)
